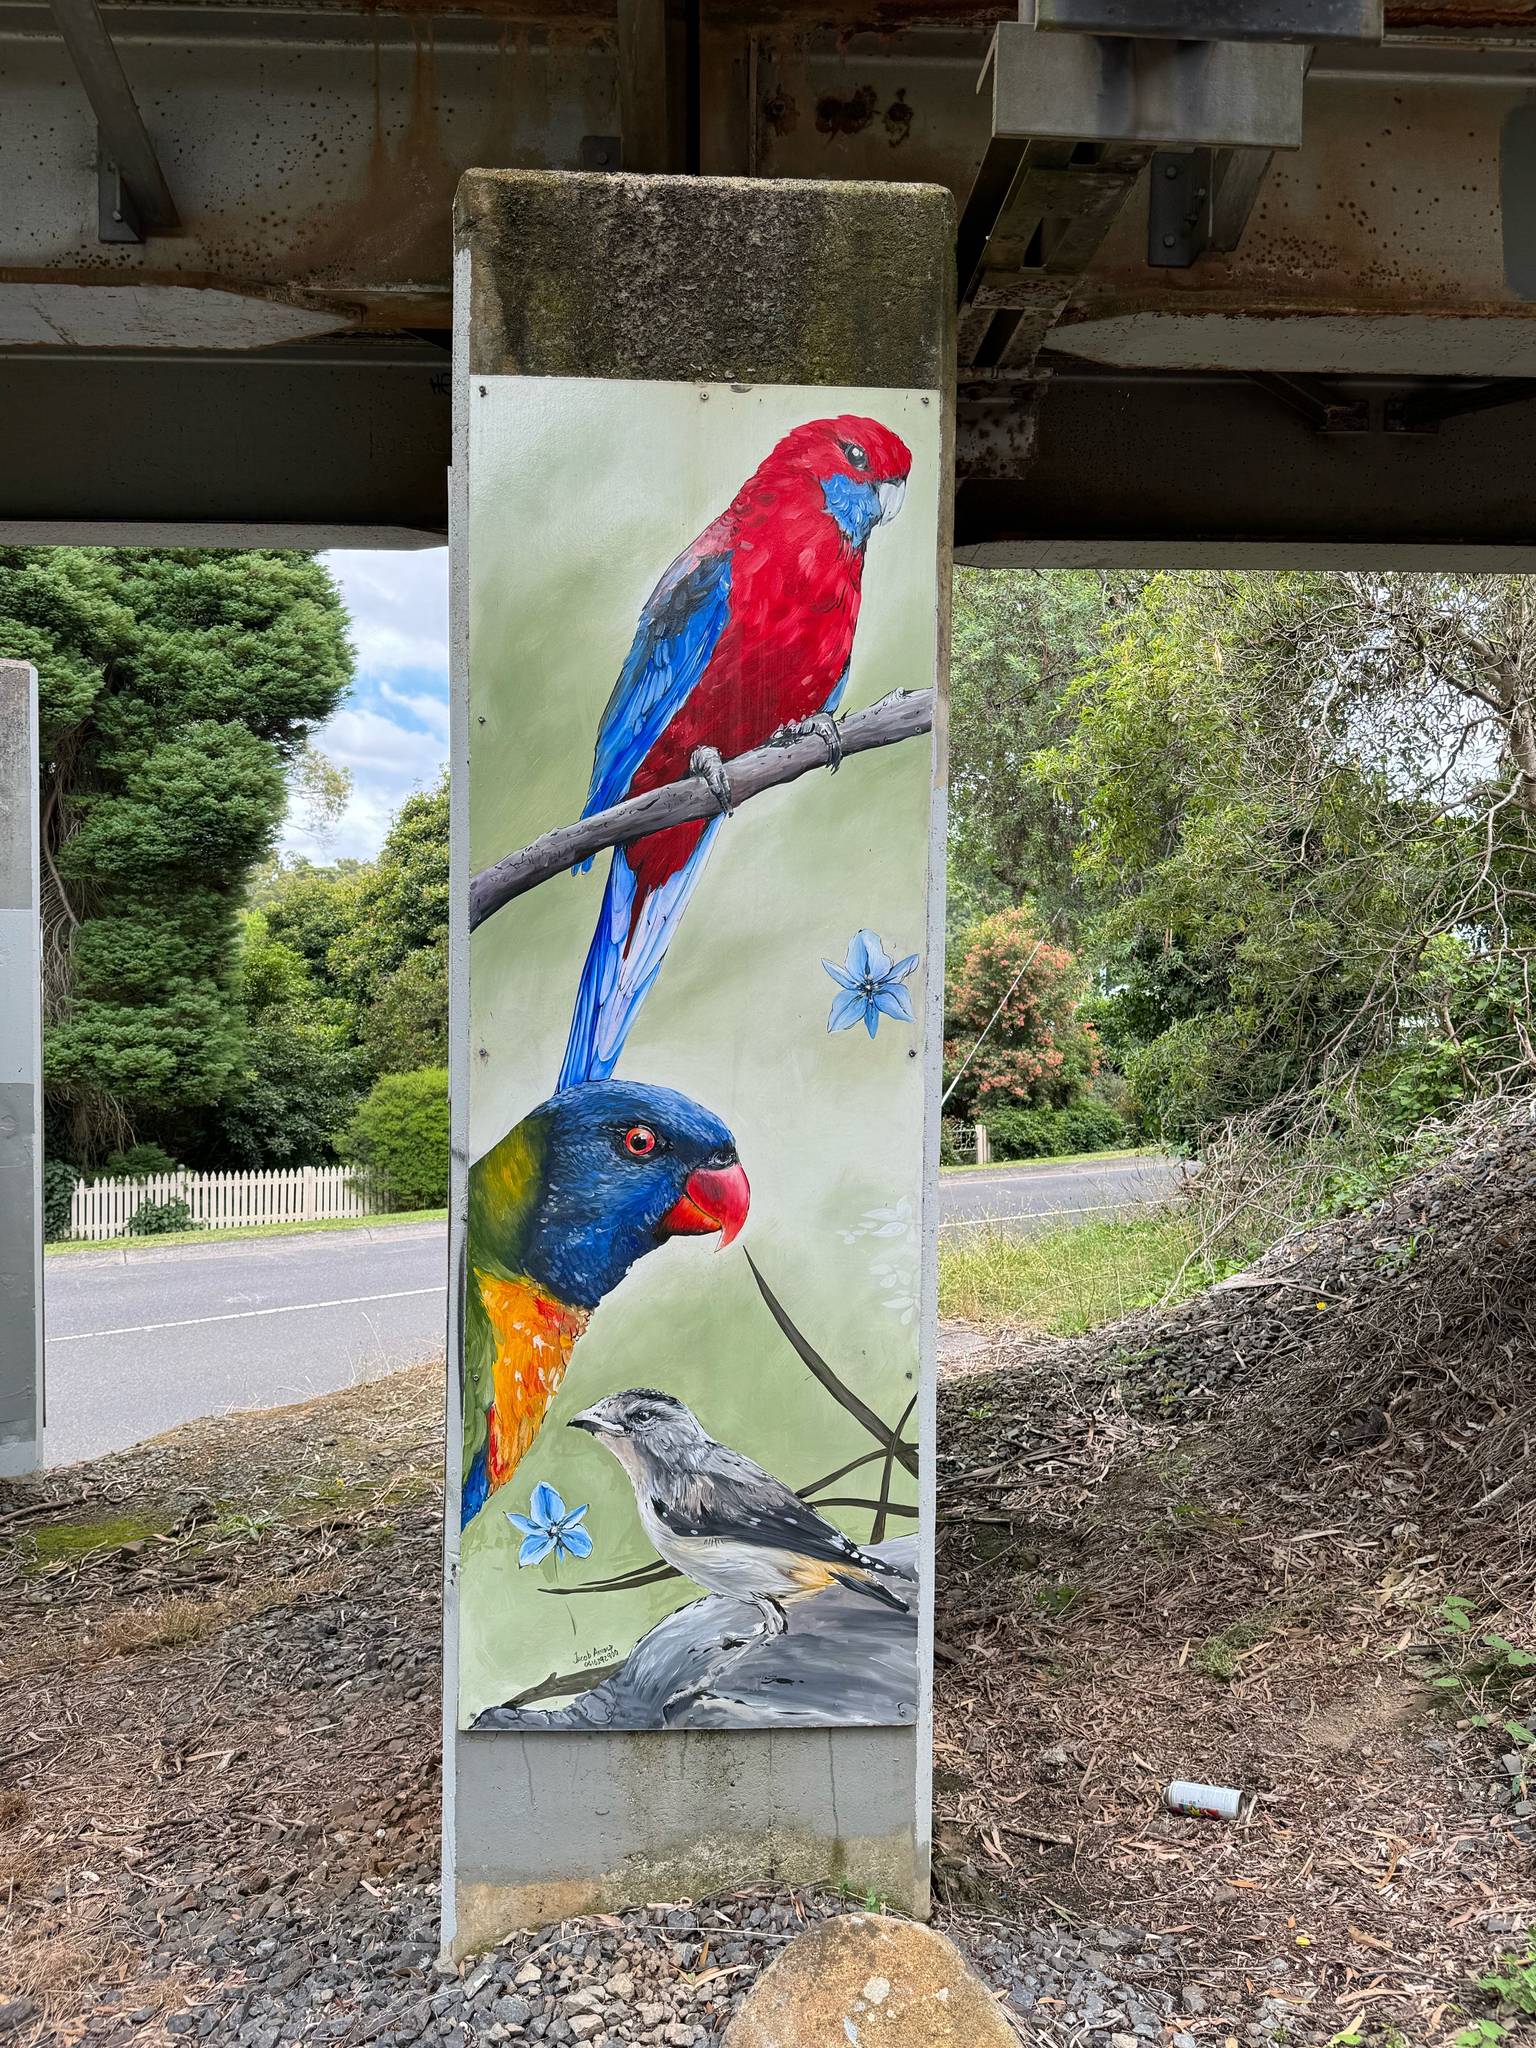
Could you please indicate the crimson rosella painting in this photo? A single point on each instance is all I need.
(691, 1287)
(748, 634)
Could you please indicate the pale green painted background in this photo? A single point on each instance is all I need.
(581, 492)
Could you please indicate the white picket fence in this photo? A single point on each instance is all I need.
(222, 1201)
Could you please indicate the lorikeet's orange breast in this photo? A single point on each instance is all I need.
(534, 1337)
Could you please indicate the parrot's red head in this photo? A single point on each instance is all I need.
(851, 469)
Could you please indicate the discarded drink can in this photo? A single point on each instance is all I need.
(1209, 1802)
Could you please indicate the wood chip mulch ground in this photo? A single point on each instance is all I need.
(219, 1708)
(1282, 1538)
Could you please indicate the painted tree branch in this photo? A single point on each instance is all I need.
(844, 1659)
(901, 716)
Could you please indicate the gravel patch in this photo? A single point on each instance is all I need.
(668, 1974)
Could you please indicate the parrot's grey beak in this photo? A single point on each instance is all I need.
(891, 496)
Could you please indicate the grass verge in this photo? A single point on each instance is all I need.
(174, 1238)
(1073, 1278)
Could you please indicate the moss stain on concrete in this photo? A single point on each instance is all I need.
(616, 276)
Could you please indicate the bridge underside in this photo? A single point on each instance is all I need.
(1222, 321)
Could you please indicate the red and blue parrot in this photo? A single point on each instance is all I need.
(746, 638)
(559, 1210)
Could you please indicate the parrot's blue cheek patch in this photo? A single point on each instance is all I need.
(855, 506)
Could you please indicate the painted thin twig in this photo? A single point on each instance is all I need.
(889, 1439)
(885, 1508)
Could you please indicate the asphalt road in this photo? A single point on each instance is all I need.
(1030, 1196)
(142, 1339)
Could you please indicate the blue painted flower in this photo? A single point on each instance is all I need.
(547, 1527)
(870, 985)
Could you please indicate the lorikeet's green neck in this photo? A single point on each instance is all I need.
(505, 1188)
(520, 1332)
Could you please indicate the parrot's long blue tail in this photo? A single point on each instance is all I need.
(623, 960)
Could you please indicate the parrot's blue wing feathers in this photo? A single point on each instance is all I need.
(678, 631)
(838, 688)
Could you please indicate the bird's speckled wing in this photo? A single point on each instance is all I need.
(736, 1501)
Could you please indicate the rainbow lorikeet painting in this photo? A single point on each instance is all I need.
(559, 1211)
(748, 635)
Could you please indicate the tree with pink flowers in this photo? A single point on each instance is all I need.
(1013, 1018)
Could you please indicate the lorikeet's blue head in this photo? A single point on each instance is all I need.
(595, 1178)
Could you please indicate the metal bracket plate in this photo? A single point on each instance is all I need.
(1124, 89)
(1229, 21)
(1200, 199)
(1179, 207)
(117, 218)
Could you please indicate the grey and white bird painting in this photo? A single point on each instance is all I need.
(724, 1522)
(802, 1625)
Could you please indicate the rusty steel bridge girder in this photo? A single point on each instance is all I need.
(310, 153)
(313, 152)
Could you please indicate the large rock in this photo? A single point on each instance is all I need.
(873, 1983)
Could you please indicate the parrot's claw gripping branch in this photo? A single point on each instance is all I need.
(902, 715)
(706, 763)
(821, 725)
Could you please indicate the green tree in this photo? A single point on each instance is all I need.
(1013, 1019)
(391, 955)
(302, 1069)
(1019, 638)
(177, 688)
(269, 974)
(1309, 801)
(402, 897)
(302, 1075)
(308, 907)
(406, 1023)
(400, 1130)
(344, 977)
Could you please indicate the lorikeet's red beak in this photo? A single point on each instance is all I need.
(714, 1198)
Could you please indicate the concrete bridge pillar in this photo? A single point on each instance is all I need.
(21, 1080)
(627, 350)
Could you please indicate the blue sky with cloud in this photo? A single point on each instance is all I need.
(391, 734)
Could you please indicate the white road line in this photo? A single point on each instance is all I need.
(291, 1308)
(1029, 1215)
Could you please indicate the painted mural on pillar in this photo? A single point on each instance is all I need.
(700, 787)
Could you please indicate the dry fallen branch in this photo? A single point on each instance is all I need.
(901, 716)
